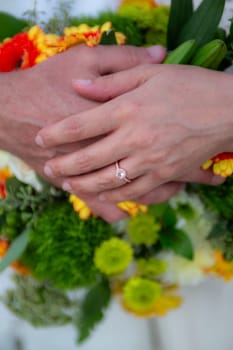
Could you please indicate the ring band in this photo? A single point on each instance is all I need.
(121, 173)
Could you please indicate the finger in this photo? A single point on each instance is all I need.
(161, 194)
(101, 154)
(107, 87)
(205, 177)
(116, 58)
(98, 181)
(137, 188)
(85, 125)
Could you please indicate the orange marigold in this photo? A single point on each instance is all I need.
(221, 268)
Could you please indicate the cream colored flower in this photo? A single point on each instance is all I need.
(187, 272)
(20, 170)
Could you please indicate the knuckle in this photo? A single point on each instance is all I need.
(105, 183)
(127, 194)
(141, 140)
(78, 187)
(90, 55)
(126, 109)
(72, 127)
(105, 84)
(164, 173)
(55, 168)
(84, 161)
(136, 55)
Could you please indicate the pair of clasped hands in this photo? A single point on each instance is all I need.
(119, 107)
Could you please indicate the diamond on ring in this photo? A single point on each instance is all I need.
(121, 173)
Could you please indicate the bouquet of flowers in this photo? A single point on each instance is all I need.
(69, 263)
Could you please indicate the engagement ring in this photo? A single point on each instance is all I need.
(121, 173)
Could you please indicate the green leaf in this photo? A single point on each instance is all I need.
(13, 186)
(169, 217)
(158, 210)
(218, 230)
(203, 24)
(16, 249)
(108, 38)
(179, 242)
(10, 25)
(96, 300)
(180, 13)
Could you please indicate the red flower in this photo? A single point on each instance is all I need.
(17, 53)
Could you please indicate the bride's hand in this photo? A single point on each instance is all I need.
(167, 121)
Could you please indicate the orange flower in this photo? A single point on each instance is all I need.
(221, 268)
(25, 50)
(222, 164)
(22, 270)
(17, 53)
(4, 175)
(4, 245)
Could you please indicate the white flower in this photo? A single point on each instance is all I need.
(21, 170)
(199, 225)
(186, 272)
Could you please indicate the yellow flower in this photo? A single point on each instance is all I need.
(165, 303)
(89, 35)
(113, 257)
(221, 268)
(148, 4)
(80, 207)
(48, 45)
(132, 208)
(222, 164)
(140, 296)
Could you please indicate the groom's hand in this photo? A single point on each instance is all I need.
(41, 95)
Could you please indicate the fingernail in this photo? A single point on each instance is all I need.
(218, 180)
(39, 141)
(48, 171)
(157, 52)
(102, 198)
(81, 82)
(66, 187)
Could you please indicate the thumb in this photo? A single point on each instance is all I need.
(105, 88)
(114, 59)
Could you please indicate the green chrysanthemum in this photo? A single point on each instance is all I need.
(113, 257)
(140, 295)
(151, 267)
(143, 230)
